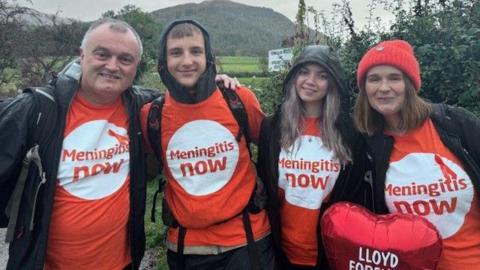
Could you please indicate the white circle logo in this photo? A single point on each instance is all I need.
(94, 162)
(431, 186)
(307, 172)
(202, 156)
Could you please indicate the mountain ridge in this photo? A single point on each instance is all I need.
(235, 29)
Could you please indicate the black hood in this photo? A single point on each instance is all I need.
(206, 83)
(325, 57)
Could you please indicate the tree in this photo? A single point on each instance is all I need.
(271, 93)
(33, 46)
(445, 35)
(147, 29)
(10, 30)
(301, 28)
(46, 48)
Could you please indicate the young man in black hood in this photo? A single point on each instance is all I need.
(210, 177)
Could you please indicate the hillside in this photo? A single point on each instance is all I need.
(33, 17)
(235, 29)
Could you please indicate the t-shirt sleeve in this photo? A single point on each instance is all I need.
(143, 120)
(254, 111)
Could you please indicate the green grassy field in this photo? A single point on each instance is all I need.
(239, 64)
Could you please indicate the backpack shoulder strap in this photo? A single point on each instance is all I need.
(438, 110)
(43, 124)
(443, 116)
(154, 123)
(237, 107)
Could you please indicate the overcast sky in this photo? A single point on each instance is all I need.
(87, 10)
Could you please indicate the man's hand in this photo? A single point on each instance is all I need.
(228, 82)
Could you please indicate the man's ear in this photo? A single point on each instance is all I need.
(82, 54)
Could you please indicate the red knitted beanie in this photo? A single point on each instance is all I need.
(397, 53)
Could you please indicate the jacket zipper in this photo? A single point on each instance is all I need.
(134, 136)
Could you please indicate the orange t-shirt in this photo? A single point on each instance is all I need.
(427, 179)
(88, 228)
(209, 174)
(307, 173)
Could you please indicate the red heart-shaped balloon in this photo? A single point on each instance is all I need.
(355, 238)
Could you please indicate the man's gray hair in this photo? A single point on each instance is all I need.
(117, 26)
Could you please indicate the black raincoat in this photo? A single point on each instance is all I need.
(350, 185)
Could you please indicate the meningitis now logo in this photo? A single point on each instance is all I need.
(202, 156)
(431, 186)
(307, 172)
(95, 160)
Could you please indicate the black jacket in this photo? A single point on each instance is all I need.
(458, 129)
(28, 249)
(350, 185)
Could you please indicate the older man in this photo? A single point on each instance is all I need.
(87, 212)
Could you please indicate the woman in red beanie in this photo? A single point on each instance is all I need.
(426, 156)
(309, 157)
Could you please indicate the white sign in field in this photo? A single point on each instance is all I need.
(278, 58)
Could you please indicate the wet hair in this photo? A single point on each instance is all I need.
(184, 30)
(293, 113)
(115, 25)
(415, 110)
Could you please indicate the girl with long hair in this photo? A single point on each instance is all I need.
(310, 156)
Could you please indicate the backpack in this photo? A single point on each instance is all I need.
(45, 115)
(235, 105)
(258, 199)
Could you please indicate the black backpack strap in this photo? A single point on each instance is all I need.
(251, 245)
(182, 231)
(239, 112)
(161, 186)
(442, 115)
(154, 123)
(43, 124)
(439, 111)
